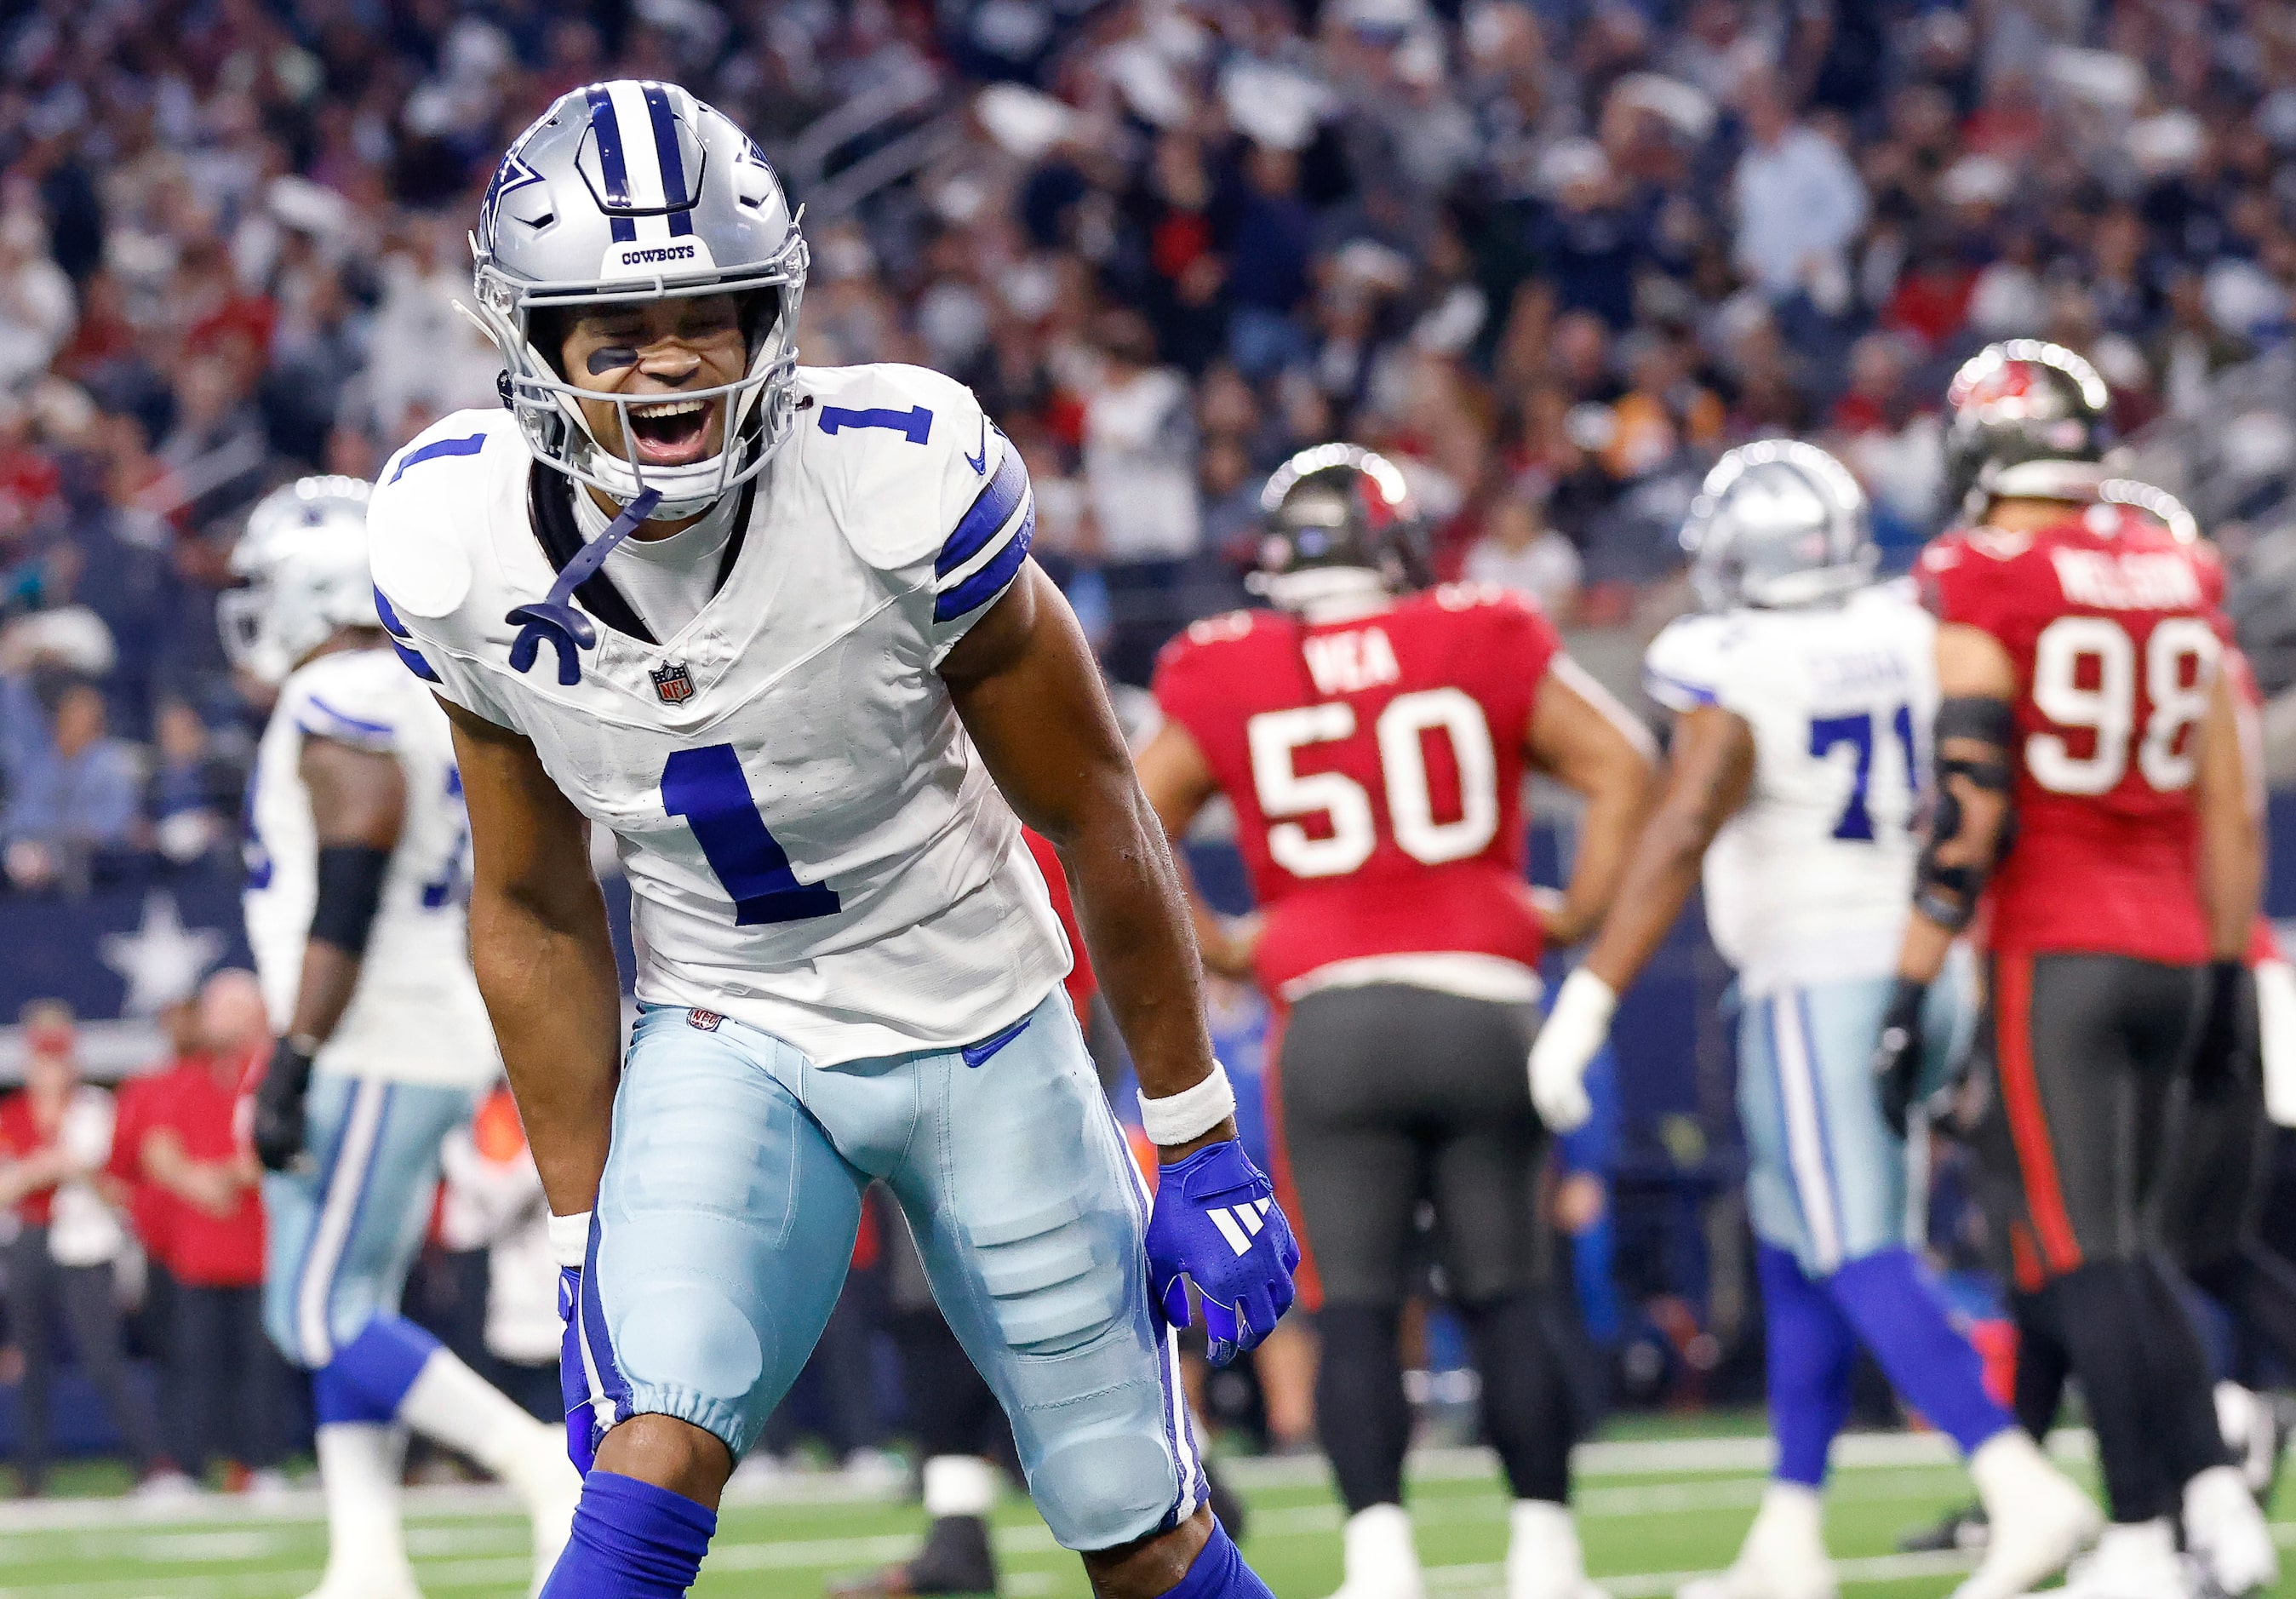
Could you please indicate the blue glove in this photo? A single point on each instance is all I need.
(573, 1381)
(1217, 1223)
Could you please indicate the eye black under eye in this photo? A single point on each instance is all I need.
(612, 358)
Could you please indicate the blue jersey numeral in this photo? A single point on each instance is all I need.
(1857, 731)
(253, 855)
(445, 888)
(707, 788)
(914, 424)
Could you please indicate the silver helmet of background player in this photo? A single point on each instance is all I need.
(302, 569)
(1339, 522)
(1778, 523)
(629, 191)
(2027, 420)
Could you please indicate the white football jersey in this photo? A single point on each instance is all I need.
(1810, 881)
(814, 846)
(415, 1016)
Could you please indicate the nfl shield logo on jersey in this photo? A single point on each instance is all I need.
(672, 683)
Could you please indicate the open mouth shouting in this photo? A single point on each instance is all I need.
(671, 432)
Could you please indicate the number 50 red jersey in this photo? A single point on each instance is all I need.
(1376, 769)
(2111, 620)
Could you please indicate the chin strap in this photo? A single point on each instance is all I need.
(555, 618)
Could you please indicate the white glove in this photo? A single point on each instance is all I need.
(1576, 1027)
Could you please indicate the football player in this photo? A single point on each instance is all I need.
(1793, 781)
(1374, 741)
(2218, 1171)
(776, 628)
(355, 911)
(2081, 698)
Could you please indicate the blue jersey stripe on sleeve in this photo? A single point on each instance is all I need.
(435, 450)
(1661, 681)
(990, 509)
(390, 622)
(357, 725)
(989, 581)
(415, 664)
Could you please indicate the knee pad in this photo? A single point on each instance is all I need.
(1102, 1491)
(686, 1332)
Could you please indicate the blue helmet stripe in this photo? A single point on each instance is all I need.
(608, 130)
(672, 162)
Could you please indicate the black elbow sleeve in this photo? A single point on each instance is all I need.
(1948, 894)
(350, 893)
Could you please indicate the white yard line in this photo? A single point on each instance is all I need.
(1855, 1451)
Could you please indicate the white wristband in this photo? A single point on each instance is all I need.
(569, 1239)
(1191, 1112)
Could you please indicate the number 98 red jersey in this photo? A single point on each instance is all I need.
(1376, 769)
(2111, 621)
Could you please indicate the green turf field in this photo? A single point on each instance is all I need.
(1652, 1510)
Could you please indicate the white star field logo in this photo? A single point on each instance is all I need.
(162, 959)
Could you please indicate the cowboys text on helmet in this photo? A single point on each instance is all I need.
(631, 192)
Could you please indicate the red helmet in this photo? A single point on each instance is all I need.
(1336, 508)
(2027, 421)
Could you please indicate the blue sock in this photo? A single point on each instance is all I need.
(1219, 1570)
(371, 1374)
(1812, 1351)
(632, 1540)
(1888, 1299)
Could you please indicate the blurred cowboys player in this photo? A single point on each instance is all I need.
(774, 628)
(355, 845)
(1796, 699)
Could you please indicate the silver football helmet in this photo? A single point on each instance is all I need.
(635, 191)
(302, 564)
(1778, 523)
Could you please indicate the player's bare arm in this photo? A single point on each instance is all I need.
(1709, 772)
(1178, 783)
(359, 803)
(2228, 793)
(1974, 744)
(543, 956)
(1976, 683)
(2228, 790)
(1584, 738)
(1024, 681)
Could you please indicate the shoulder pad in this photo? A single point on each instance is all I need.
(355, 697)
(429, 506)
(904, 452)
(1683, 668)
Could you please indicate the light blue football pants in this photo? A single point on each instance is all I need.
(1825, 1178)
(725, 1219)
(342, 1237)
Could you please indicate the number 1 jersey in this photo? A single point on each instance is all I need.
(814, 846)
(2110, 621)
(1376, 768)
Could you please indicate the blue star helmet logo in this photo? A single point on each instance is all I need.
(512, 175)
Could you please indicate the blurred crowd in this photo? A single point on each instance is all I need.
(132, 1239)
(1552, 254)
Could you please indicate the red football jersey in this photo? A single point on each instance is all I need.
(1376, 769)
(2111, 621)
